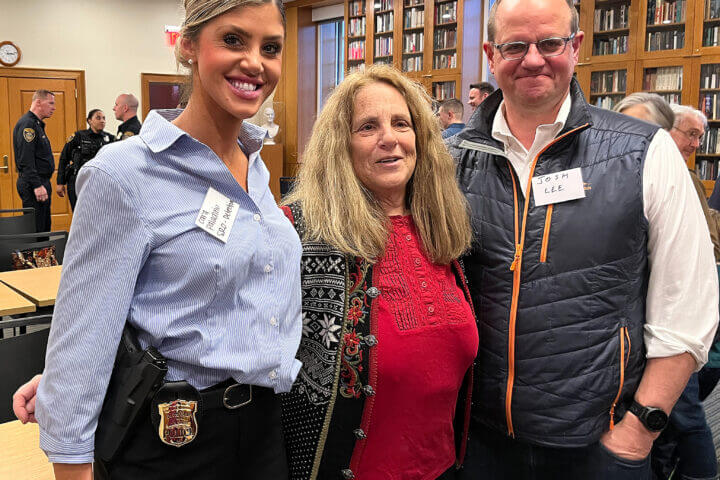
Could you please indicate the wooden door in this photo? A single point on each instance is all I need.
(58, 128)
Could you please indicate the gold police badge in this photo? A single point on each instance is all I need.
(29, 134)
(178, 425)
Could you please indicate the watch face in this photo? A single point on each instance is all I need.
(8, 54)
(656, 419)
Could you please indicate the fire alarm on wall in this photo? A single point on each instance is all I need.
(9, 54)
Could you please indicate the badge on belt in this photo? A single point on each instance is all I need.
(175, 408)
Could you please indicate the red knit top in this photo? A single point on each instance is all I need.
(427, 340)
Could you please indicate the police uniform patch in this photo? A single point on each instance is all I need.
(127, 134)
(29, 134)
(71, 137)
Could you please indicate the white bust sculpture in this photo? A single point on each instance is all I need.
(271, 127)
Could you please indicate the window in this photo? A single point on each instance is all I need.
(331, 58)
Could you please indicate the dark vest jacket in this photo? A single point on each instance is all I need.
(580, 283)
(321, 414)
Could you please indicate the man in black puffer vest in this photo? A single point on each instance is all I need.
(590, 252)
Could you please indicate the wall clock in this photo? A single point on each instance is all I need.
(9, 54)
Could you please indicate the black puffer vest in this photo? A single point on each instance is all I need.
(570, 359)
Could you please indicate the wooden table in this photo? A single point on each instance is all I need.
(12, 303)
(20, 455)
(39, 285)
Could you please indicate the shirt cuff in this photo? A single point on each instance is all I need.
(662, 342)
(67, 452)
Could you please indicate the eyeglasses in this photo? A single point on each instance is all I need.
(548, 47)
(692, 135)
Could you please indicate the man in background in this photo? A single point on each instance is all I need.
(125, 109)
(450, 114)
(478, 93)
(34, 159)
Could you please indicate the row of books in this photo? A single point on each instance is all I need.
(443, 90)
(383, 46)
(667, 40)
(356, 50)
(608, 81)
(611, 18)
(445, 13)
(356, 27)
(663, 78)
(706, 169)
(356, 7)
(711, 142)
(711, 36)
(607, 101)
(665, 11)
(610, 46)
(445, 39)
(413, 42)
(384, 22)
(412, 3)
(383, 61)
(382, 5)
(710, 105)
(413, 18)
(710, 76)
(412, 64)
(712, 9)
(445, 61)
(671, 97)
(358, 67)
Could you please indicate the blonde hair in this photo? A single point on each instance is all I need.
(340, 211)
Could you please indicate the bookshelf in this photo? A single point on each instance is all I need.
(608, 82)
(669, 78)
(610, 28)
(422, 38)
(664, 29)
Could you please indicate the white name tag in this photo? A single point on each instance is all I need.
(217, 215)
(558, 187)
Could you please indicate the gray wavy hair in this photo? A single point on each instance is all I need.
(681, 111)
(658, 109)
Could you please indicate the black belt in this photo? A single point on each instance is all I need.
(228, 395)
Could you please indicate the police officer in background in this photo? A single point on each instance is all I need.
(81, 147)
(125, 109)
(34, 159)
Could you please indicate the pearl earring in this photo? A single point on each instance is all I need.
(190, 61)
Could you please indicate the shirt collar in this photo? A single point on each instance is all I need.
(501, 130)
(32, 114)
(159, 133)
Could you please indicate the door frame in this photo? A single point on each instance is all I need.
(147, 78)
(77, 75)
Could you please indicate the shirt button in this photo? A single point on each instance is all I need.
(268, 268)
(423, 284)
(417, 261)
(408, 237)
(273, 321)
(256, 217)
(373, 292)
(431, 309)
(273, 374)
(347, 474)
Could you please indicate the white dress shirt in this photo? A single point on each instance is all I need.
(682, 298)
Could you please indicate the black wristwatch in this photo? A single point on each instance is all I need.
(654, 419)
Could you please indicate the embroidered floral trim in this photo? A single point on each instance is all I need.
(357, 316)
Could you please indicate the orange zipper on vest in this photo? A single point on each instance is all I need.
(516, 267)
(623, 364)
(546, 234)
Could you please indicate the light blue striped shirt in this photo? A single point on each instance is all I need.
(215, 310)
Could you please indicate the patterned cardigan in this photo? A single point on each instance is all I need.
(322, 413)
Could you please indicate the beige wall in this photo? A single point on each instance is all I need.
(114, 41)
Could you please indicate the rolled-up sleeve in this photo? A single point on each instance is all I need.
(108, 245)
(682, 299)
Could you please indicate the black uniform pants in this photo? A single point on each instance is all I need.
(243, 444)
(71, 193)
(42, 209)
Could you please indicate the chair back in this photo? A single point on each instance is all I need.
(21, 357)
(24, 223)
(23, 241)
